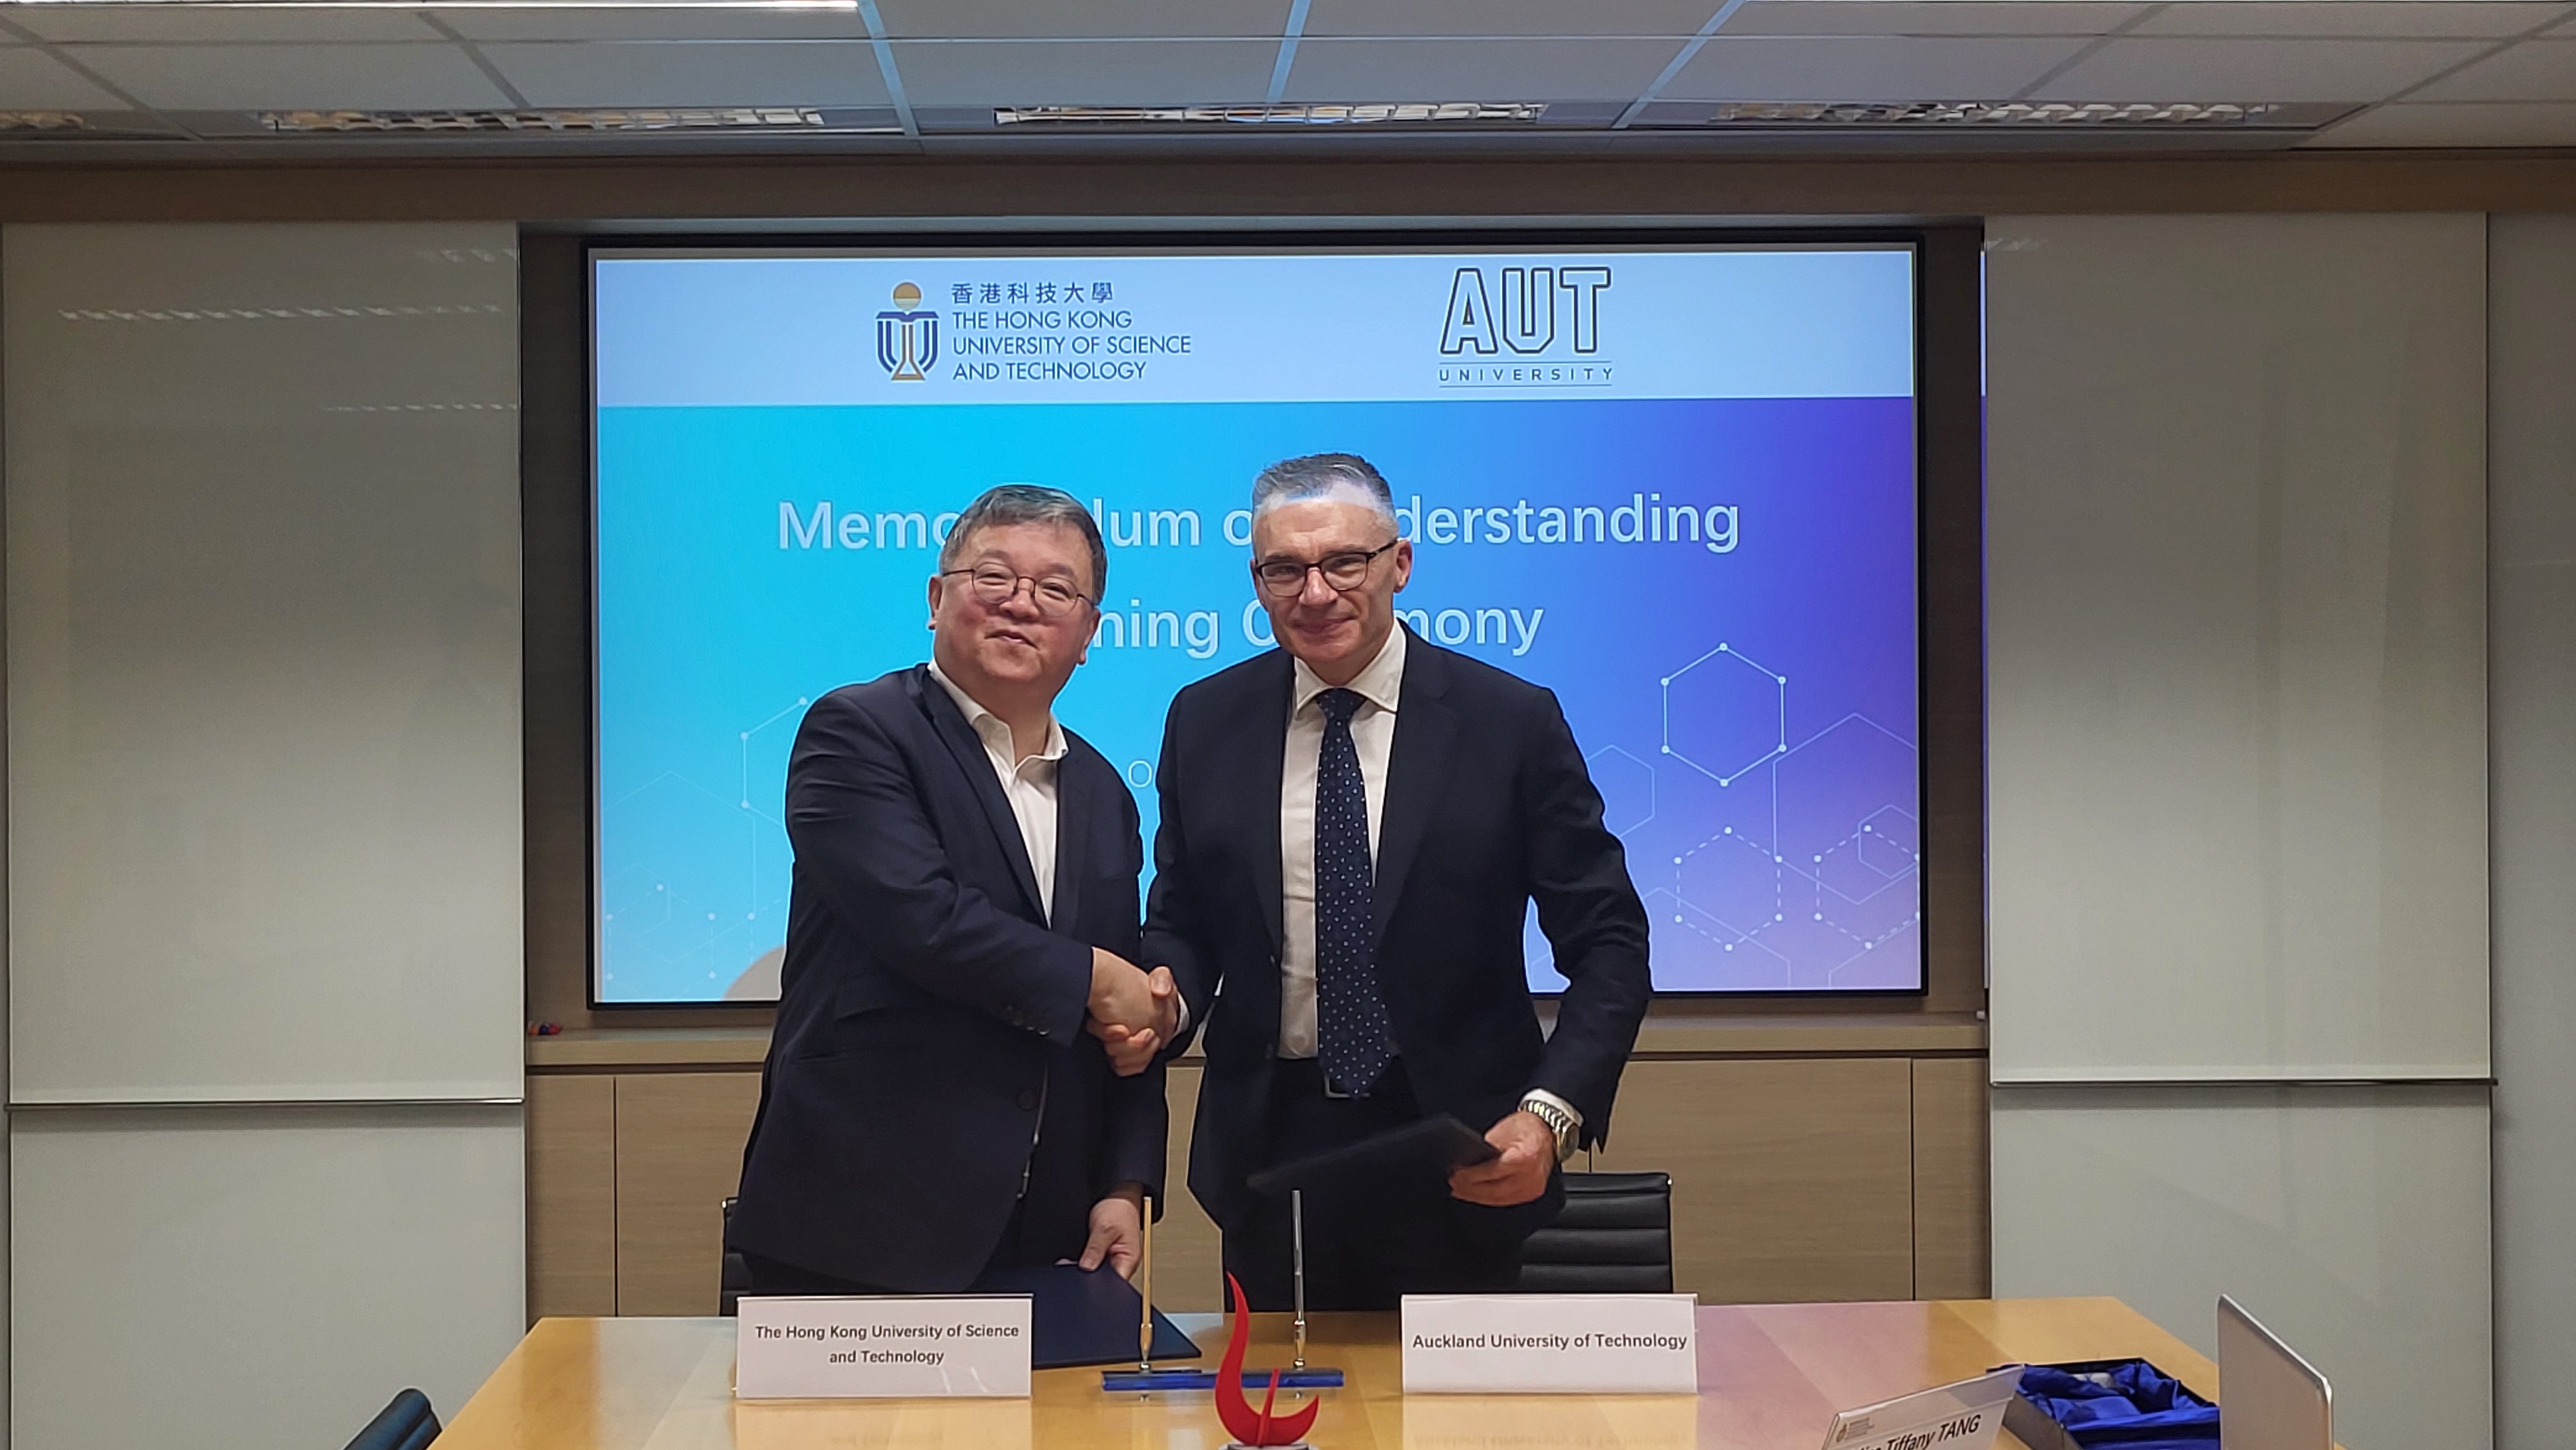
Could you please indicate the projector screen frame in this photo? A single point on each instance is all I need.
(1934, 349)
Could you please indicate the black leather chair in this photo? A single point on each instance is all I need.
(407, 1423)
(735, 1279)
(1614, 1237)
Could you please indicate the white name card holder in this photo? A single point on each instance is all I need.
(1551, 1344)
(1962, 1416)
(882, 1348)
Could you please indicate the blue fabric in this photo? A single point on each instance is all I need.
(1356, 1042)
(2130, 1404)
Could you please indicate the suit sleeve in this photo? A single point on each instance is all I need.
(855, 818)
(1138, 1115)
(1578, 875)
(1175, 936)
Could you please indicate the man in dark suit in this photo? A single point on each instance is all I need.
(961, 1078)
(1353, 826)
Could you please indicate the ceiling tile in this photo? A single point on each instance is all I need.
(1046, 19)
(2133, 69)
(2490, 19)
(693, 73)
(187, 24)
(277, 77)
(1508, 17)
(1084, 72)
(1929, 17)
(1476, 70)
(1778, 68)
(31, 80)
(650, 22)
(2546, 123)
(2536, 70)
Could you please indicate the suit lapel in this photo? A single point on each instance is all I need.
(1417, 768)
(968, 749)
(1260, 772)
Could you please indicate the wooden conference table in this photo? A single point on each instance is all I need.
(1771, 1378)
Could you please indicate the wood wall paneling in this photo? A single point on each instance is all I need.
(1950, 1178)
(1792, 1178)
(679, 1157)
(572, 1196)
(1189, 1277)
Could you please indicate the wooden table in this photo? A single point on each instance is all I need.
(1771, 1378)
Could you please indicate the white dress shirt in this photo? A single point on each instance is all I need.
(1373, 732)
(1029, 785)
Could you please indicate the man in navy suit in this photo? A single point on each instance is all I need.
(1353, 828)
(962, 1077)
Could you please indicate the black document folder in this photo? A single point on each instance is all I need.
(1078, 1318)
(1434, 1146)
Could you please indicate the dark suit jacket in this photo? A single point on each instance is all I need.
(927, 1014)
(1488, 806)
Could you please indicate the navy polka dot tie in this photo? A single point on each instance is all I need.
(1356, 1043)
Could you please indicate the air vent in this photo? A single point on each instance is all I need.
(1418, 113)
(771, 120)
(1988, 115)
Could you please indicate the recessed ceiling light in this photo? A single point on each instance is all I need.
(1318, 114)
(849, 6)
(1992, 115)
(561, 122)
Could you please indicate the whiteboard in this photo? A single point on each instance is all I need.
(263, 674)
(2237, 653)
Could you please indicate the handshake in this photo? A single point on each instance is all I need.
(1134, 1013)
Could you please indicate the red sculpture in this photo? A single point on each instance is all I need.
(1248, 1426)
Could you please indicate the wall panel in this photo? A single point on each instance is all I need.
(1950, 1169)
(255, 1278)
(1792, 1178)
(679, 1157)
(2532, 312)
(572, 1196)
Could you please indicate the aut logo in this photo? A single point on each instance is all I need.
(907, 338)
(1533, 300)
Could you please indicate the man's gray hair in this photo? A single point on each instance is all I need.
(1319, 475)
(1005, 504)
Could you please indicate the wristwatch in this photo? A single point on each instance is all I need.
(1564, 1124)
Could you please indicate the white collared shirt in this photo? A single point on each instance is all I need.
(1378, 685)
(1029, 785)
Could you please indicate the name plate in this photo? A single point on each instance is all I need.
(1963, 1416)
(1551, 1344)
(970, 1345)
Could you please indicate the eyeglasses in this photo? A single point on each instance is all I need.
(995, 586)
(1345, 570)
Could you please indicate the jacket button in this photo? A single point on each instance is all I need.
(1028, 1102)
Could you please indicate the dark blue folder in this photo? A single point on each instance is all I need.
(1078, 1318)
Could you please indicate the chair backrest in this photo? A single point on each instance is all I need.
(1614, 1237)
(735, 1278)
(406, 1423)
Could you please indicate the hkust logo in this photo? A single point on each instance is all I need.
(1527, 327)
(907, 336)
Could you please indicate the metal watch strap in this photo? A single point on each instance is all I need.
(1558, 1121)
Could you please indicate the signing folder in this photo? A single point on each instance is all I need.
(1436, 1146)
(1078, 1317)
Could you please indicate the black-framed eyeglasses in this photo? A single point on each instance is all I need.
(995, 585)
(1347, 569)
